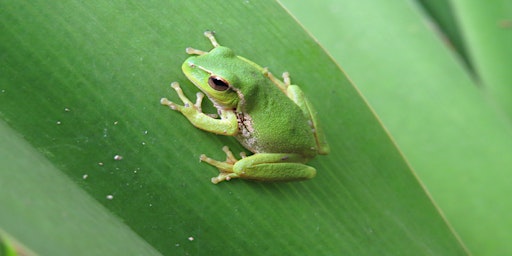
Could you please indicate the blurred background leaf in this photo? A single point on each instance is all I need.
(80, 84)
(448, 117)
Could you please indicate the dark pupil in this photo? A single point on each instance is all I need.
(218, 83)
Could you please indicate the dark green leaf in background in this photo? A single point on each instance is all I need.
(487, 33)
(440, 18)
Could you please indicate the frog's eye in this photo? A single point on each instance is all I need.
(218, 83)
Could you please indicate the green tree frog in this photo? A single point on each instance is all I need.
(271, 118)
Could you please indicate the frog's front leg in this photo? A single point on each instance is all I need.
(262, 166)
(226, 125)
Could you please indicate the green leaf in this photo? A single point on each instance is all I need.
(487, 30)
(50, 213)
(81, 83)
(449, 131)
(440, 17)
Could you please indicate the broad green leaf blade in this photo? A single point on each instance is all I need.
(49, 214)
(81, 82)
(452, 136)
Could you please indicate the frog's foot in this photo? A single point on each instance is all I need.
(211, 37)
(186, 102)
(282, 85)
(286, 79)
(225, 168)
(190, 50)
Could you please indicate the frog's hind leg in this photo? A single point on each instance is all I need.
(261, 166)
(274, 167)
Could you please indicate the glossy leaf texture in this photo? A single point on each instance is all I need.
(94, 150)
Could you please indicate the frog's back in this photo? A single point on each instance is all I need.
(275, 124)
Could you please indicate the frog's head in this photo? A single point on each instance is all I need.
(221, 75)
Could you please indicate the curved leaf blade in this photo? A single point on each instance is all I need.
(99, 71)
